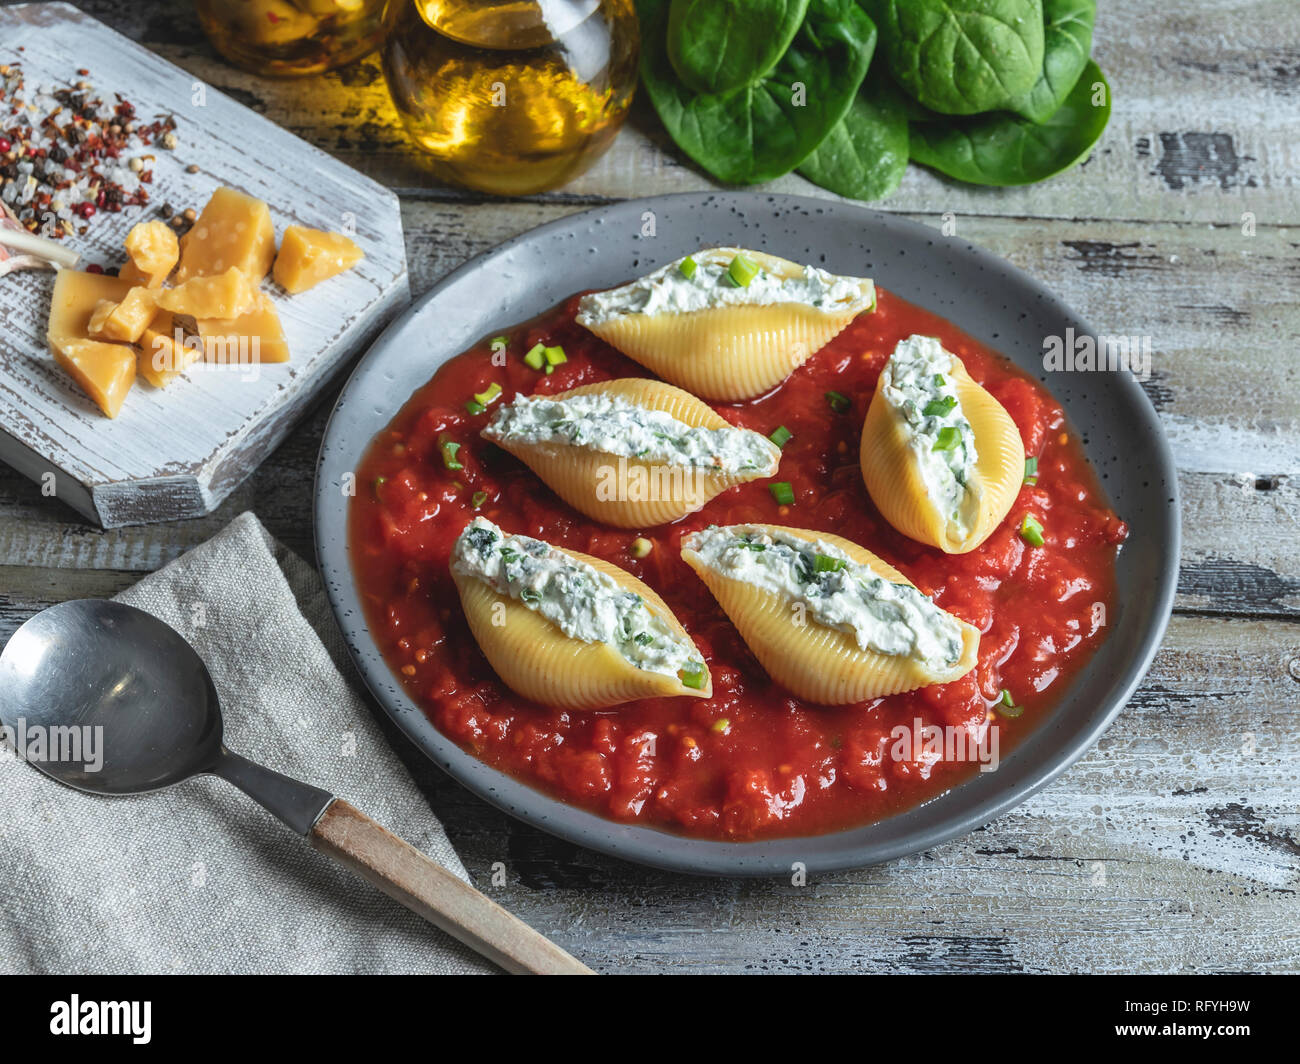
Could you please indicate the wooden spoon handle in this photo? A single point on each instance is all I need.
(426, 888)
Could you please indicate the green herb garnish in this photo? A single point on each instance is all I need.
(478, 499)
(742, 270)
(1031, 531)
(536, 357)
(824, 563)
(687, 267)
(939, 407)
(782, 492)
(947, 438)
(693, 676)
(839, 402)
(781, 435)
(449, 448)
(1031, 471)
(1006, 705)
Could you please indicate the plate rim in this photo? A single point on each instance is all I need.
(688, 854)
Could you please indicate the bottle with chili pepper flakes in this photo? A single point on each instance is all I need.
(293, 38)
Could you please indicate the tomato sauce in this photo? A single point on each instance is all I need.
(753, 761)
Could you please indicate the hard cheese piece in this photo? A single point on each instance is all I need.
(163, 357)
(153, 250)
(255, 337)
(309, 256)
(233, 230)
(99, 319)
(124, 321)
(104, 371)
(76, 295)
(225, 295)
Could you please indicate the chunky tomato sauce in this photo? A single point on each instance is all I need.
(752, 761)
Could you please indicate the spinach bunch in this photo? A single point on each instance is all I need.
(990, 92)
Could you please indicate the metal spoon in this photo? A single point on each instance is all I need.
(99, 664)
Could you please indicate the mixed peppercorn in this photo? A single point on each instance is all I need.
(68, 153)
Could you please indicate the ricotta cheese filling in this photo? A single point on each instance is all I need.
(709, 283)
(839, 593)
(917, 383)
(584, 603)
(613, 425)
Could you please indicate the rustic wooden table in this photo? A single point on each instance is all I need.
(1174, 846)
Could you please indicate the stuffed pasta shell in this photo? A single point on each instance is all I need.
(569, 630)
(825, 617)
(942, 460)
(726, 323)
(631, 453)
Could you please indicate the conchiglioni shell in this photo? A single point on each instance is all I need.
(534, 658)
(894, 481)
(817, 663)
(580, 475)
(727, 352)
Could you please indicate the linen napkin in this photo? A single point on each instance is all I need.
(199, 878)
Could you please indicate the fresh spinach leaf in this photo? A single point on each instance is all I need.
(722, 45)
(1067, 40)
(962, 57)
(1006, 149)
(865, 155)
(761, 131)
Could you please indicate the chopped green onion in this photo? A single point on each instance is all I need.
(474, 406)
(489, 393)
(502, 341)
(529, 594)
(720, 725)
(1006, 705)
(781, 435)
(1031, 531)
(536, 356)
(782, 492)
(643, 639)
(947, 439)
(839, 401)
(687, 267)
(555, 356)
(1031, 471)
(939, 407)
(449, 449)
(939, 382)
(693, 676)
(478, 499)
(742, 270)
(746, 545)
(824, 563)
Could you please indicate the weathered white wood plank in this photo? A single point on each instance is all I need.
(1206, 103)
(177, 452)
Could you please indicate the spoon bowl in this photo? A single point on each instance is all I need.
(135, 690)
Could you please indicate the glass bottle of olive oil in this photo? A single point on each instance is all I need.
(512, 96)
(290, 38)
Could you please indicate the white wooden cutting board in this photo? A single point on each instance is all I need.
(177, 452)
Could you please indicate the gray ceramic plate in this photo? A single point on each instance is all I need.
(980, 293)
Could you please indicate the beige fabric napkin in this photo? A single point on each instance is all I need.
(199, 878)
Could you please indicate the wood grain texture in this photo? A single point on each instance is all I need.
(426, 888)
(1174, 845)
(178, 452)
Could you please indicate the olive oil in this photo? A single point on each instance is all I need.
(512, 97)
(290, 38)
